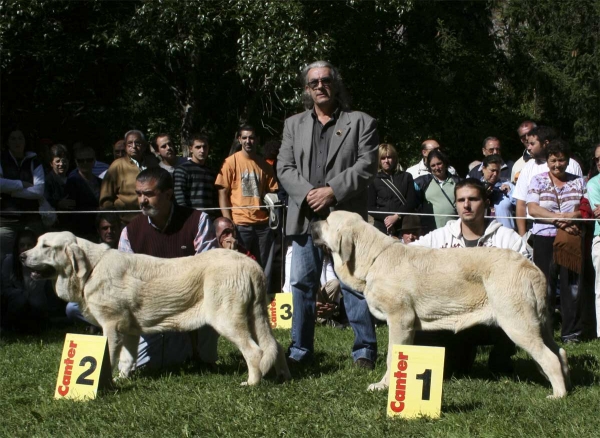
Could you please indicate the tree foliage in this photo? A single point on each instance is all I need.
(456, 71)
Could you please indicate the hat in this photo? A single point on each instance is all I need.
(410, 223)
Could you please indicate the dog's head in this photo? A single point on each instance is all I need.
(336, 234)
(57, 256)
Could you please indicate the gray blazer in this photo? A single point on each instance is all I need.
(351, 164)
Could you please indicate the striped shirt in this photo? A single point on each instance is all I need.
(563, 199)
(195, 186)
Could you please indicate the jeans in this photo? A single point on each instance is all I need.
(259, 240)
(307, 262)
(157, 350)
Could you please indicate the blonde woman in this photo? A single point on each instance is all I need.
(392, 192)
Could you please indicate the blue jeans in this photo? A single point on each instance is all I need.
(259, 240)
(307, 261)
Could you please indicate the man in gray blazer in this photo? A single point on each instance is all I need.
(327, 159)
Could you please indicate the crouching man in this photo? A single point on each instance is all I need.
(167, 230)
(472, 230)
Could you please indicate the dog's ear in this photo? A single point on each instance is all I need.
(345, 247)
(80, 263)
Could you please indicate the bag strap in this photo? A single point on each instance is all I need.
(394, 190)
(445, 195)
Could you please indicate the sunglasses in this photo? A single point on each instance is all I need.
(85, 160)
(326, 82)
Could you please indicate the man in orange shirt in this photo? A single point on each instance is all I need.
(245, 178)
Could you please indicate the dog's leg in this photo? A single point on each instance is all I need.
(401, 332)
(529, 337)
(237, 331)
(115, 343)
(559, 352)
(129, 354)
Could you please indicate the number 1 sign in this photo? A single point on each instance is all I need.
(416, 376)
(84, 365)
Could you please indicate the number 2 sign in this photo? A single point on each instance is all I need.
(416, 377)
(84, 365)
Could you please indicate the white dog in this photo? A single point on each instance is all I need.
(130, 294)
(416, 288)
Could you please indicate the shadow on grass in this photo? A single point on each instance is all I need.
(460, 408)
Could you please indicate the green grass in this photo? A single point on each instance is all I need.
(328, 399)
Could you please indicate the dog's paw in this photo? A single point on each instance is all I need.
(377, 387)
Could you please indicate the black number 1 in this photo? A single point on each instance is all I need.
(81, 380)
(288, 311)
(426, 378)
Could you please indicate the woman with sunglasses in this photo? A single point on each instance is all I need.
(83, 187)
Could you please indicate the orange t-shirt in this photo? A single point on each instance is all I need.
(248, 180)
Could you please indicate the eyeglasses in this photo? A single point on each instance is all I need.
(387, 158)
(85, 160)
(325, 82)
(134, 143)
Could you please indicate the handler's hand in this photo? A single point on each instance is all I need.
(597, 212)
(390, 220)
(320, 199)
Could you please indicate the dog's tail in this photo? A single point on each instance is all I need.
(262, 328)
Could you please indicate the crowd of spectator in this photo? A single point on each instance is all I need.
(188, 207)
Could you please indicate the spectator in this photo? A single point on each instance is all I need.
(537, 140)
(472, 230)
(194, 180)
(593, 188)
(328, 157)
(119, 150)
(523, 129)
(99, 168)
(118, 186)
(244, 180)
(22, 189)
(553, 199)
(421, 168)
(410, 230)
(492, 146)
(165, 148)
(56, 180)
(83, 188)
(499, 190)
(436, 198)
(392, 190)
(26, 303)
(108, 229)
(227, 236)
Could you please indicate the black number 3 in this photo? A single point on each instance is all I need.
(426, 378)
(288, 311)
(81, 380)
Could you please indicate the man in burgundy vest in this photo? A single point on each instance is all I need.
(168, 230)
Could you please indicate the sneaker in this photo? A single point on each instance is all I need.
(363, 362)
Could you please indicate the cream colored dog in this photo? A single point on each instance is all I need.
(130, 294)
(416, 288)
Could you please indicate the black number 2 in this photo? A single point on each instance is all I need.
(81, 380)
(288, 311)
(426, 378)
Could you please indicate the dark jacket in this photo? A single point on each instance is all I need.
(382, 198)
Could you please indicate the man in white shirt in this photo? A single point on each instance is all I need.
(472, 230)
(537, 140)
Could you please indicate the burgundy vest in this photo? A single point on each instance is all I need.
(177, 240)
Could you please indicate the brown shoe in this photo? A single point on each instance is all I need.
(363, 362)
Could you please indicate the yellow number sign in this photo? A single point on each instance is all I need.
(280, 311)
(84, 364)
(416, 378)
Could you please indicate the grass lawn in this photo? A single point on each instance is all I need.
(328, 399)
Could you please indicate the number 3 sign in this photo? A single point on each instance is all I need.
(280, 311)
(84, 364)
(416, 375)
